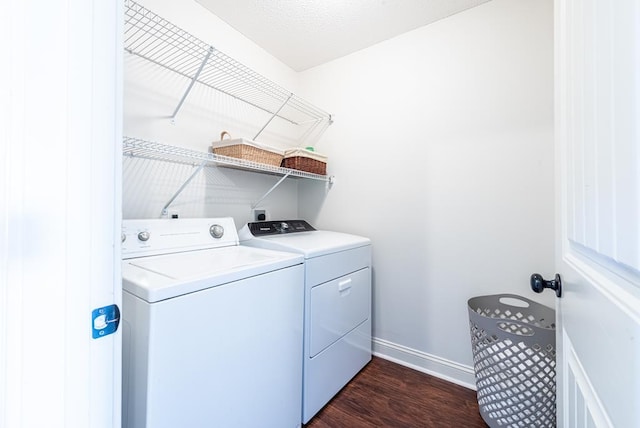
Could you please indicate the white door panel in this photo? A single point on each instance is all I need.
(583, 409)
(600, 321)
(598, 188)
(59, 212)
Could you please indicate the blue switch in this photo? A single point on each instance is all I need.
(105, 320)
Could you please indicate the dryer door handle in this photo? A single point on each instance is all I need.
(344, 285)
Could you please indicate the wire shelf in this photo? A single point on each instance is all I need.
(155, 39)
(135, 147)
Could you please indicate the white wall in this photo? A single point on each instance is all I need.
(443, 151)
(151, 94)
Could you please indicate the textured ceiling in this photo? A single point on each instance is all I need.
(306, 33)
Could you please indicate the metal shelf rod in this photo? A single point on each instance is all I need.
(185, 184)
(274, 115)
(193, 81)
(270, 190)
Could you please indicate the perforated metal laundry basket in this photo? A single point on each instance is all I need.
(514, 357)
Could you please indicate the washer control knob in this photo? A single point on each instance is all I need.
(216, 231)
(282, 227)
(123, 237)
(144, 236)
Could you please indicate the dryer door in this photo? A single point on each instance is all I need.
(337, 307)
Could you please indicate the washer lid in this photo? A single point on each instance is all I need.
(311, 244)
(157, 278)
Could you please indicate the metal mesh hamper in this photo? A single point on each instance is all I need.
(514, 357)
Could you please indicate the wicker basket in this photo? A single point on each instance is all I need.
(305, 160)
(248, 150)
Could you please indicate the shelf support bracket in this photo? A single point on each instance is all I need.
(274, 115)
(271, 190)
(165, 211)
(193, 81)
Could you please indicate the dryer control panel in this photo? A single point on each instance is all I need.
(277, 227)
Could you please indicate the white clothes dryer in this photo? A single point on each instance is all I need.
(212, 330)
(337, 303)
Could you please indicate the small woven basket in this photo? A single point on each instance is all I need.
(302, 160)
(246, 150)
(305, 164)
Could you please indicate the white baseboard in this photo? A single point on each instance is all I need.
(450, 371)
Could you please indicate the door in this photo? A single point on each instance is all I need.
(598, 193)
(60, 180)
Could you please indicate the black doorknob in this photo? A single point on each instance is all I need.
(538, 284)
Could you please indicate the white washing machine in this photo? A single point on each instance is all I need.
(337, 303)
(212, 329)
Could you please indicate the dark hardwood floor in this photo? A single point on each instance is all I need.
(385, 394)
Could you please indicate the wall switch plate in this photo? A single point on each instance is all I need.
(259, 215)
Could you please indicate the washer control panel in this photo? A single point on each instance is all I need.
(277, 227)
(162, 236)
